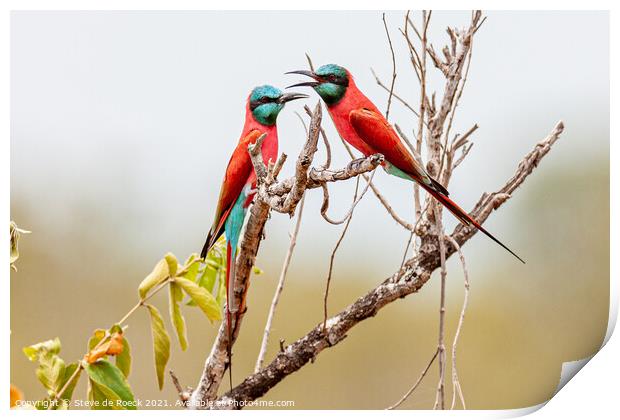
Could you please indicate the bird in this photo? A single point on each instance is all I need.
(263, 105)
(360, 123)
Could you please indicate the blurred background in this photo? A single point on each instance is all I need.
(122, 124)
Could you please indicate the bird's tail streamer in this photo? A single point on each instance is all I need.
(230, 297)
(464, 217)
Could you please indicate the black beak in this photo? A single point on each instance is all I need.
(308, 73)
(290, 96)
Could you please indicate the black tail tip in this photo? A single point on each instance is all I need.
(509, 250)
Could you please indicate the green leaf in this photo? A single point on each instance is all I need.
(176, 295)
(203, 299)
(103, 397)
(215, 265)
(50, 372)
(161, 343)
(68, 392)
(257, 271)
(206, 281)
(96, 338)
(109, 387)
(221, 291)
(173, 264)
(35, 351)
(123, 359)
(51, 367)
(159, 274)
(116, 328)
(192, 266)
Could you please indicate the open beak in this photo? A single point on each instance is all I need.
(291, 96)
(308, 73)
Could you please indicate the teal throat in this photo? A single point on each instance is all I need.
(267, 114)
(331, 93)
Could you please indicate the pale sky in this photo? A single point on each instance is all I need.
(133, 116)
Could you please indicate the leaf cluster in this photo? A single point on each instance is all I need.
(196, 283)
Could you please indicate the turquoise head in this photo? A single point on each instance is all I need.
(267, 101)
(330, 82)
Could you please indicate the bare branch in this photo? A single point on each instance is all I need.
(461, 158)
(347, 216)
(460, 142)
(317, 177)
(408, 280)
(283, 197)
(452, 69)
(184, 394)
(304, 161)
(416, 384)
(279, 288)
(394, 94)
(328, 149)
(441, 347)
(387, 33)
(456, 384)
(347, 219)
(455, 101)
(217, 362)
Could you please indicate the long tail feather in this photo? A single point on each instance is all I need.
(230, 262)
(464, 217)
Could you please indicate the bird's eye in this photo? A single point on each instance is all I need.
(261, 101)
(335, 79)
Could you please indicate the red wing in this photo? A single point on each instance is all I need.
(375, 131)
(238, 171)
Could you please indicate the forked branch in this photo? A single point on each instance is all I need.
(411, 278)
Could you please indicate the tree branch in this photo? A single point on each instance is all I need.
(282, 197)
(411, 278)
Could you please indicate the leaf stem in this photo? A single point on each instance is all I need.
(107, 334)
(66, 385)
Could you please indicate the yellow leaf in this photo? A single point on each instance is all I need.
(176, 295)
(159, 274)
(201, 297)
(173, 264)
(15, 232)
(161, 343)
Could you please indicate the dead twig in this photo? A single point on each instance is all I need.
(356, 201)
(456, 384)
(416, 384)
(394, 94)
(282, 196)
(380, 196)
(347, 221)
(184, 394)
(441, 347)
(280, 287)
(389, 103)
(410, 279)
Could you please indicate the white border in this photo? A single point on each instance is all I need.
(594, 392)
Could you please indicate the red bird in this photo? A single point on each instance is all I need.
(363, 126)
(238, 188)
